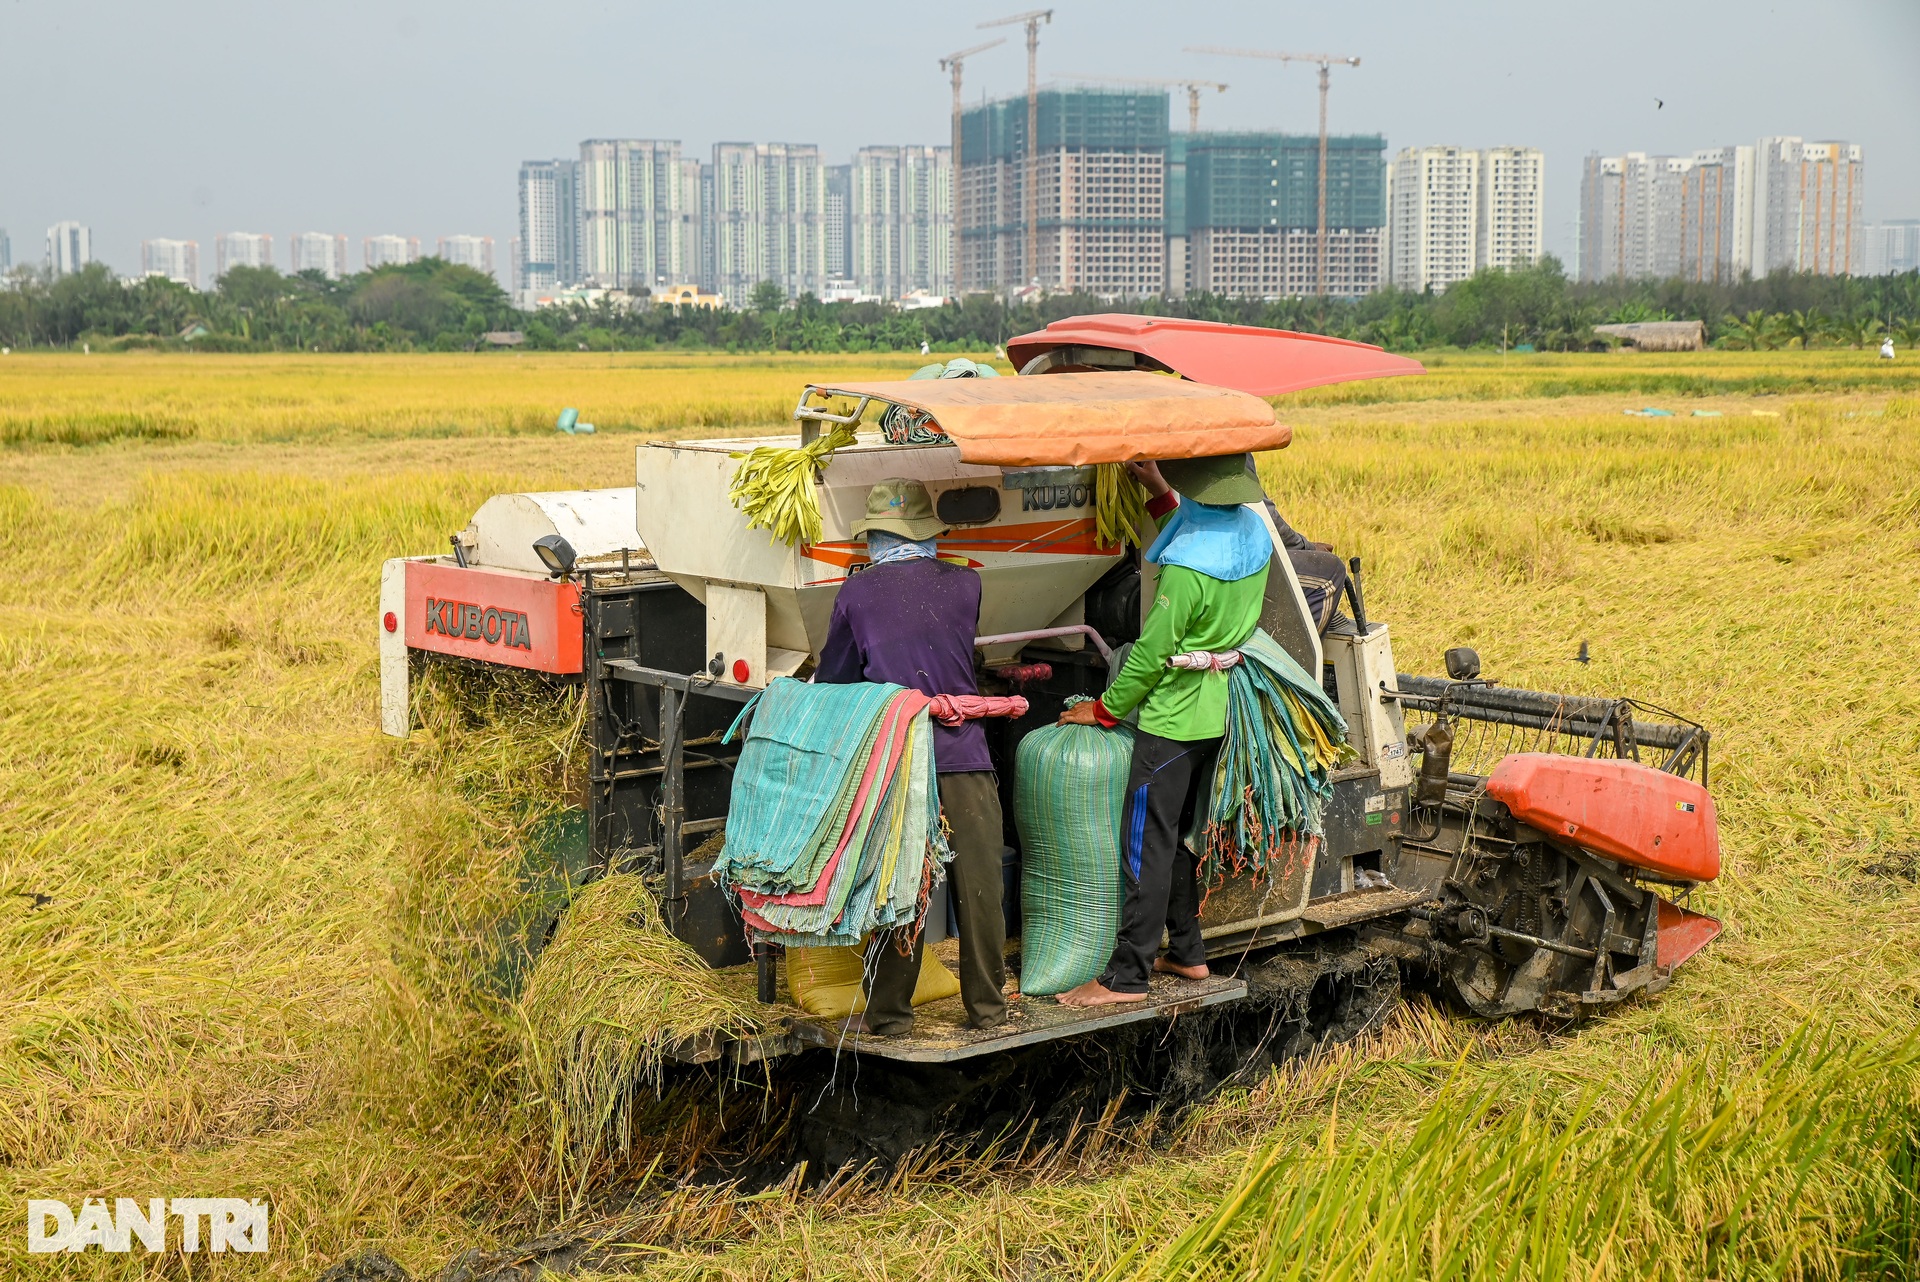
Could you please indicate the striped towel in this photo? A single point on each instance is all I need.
(833, 829)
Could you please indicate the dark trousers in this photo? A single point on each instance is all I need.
(1160, 875)
(1322, 577)
(971, 804)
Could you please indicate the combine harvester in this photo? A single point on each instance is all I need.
(1529, 861)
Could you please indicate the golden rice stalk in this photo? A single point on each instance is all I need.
(605, 1000)
(1119, 506)
(774, 486)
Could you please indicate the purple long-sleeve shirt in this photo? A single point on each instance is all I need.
(912, 623)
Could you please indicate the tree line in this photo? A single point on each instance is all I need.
(433, 305)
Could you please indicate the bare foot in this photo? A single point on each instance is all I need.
(1166, 967)
(856, 1026)
(1094, 993)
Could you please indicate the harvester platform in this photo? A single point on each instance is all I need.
(940, 1034)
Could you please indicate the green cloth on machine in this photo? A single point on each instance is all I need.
(1284, 737)
(833, 828)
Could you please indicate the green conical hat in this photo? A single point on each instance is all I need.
(1221, 481)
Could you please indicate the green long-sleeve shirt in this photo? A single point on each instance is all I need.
(1191, 611)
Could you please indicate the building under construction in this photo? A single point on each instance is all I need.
(1249, 216)
(1099, 175)
(1128, 210)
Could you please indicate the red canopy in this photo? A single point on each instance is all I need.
(1265, 362)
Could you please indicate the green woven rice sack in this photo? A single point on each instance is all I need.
(1069, 784)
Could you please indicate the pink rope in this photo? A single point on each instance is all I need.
(955, 709)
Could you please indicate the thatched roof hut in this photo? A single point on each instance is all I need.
(1659, 336)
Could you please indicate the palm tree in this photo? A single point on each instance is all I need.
(1864, 332)
(1806, 327)
(1630, 313)
(1757, 331)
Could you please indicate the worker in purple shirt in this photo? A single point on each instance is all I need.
(909, 618)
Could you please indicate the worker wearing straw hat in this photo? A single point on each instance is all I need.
(910, 618)
(1213, 554)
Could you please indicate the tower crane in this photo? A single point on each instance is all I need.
(1194, 89)
(1030, 180)
(952, 63)
(1325, 61)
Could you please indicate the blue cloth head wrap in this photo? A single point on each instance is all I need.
(1225, 543)
(884, 546)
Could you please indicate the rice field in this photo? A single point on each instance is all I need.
(248, 944)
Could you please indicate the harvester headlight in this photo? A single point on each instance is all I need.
(1463, 664)
(555, 553)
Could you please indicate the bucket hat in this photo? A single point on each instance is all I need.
(903, 507)
(1221, 481)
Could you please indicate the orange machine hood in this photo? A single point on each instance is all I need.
(1265, 362)
(1077, 419)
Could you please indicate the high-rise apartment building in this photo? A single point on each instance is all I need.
(69, 248)
(1454, 210)
(318, 251)
(769, 219)
(175, 260)
(389, 251)
(635, 212)
(839, 245)
(1639, 205)
(1246, 209)
(1716, 215)
(709, 275)
(1433, 212)
(241, 249)
(1807, 198)
(1891, 247)
(1510, 225)
(467, 251)
(6, 253)
(900, 220)
(1720, 213)
(691, 216)
(1099, 164)
(549, 254)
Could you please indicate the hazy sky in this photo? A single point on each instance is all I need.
(185, 118)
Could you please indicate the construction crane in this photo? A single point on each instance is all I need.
(1194, 89)
(952, 63)
(1325, 62)
(1031, 177)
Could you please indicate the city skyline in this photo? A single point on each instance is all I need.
(308, 154)
(654, 219)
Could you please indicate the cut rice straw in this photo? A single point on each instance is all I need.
(607, 998)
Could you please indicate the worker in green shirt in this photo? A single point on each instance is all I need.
(1213, 555)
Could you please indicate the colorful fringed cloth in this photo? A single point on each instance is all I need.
(833, 829)
(1274, 774)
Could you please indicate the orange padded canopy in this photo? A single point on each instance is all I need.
(1081, 418)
